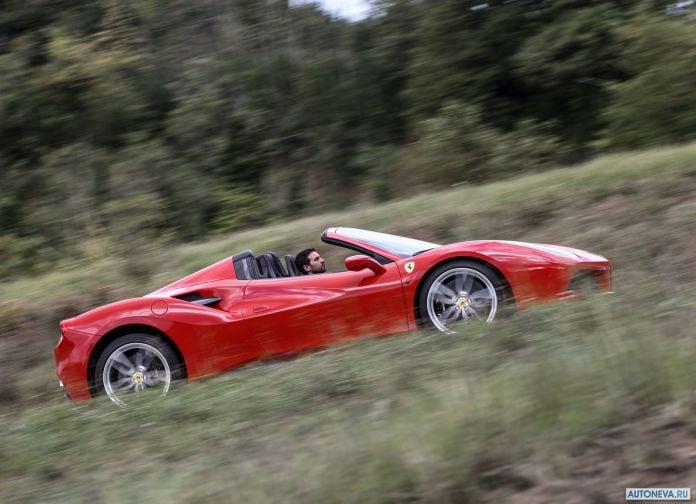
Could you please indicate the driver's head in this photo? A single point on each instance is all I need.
(309, 261)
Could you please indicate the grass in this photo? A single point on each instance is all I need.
(423, 417)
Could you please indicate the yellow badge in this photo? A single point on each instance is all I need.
(409, 267)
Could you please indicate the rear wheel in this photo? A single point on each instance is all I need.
(137, 367)
(461, 291)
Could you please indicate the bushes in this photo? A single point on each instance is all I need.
(458, 146)
(19, 255)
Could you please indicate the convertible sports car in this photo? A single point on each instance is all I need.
(248, 306)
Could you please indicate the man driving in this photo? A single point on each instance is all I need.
(310, 262)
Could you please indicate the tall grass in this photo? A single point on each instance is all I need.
(422, 417)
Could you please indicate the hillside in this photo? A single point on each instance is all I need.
(574, 401)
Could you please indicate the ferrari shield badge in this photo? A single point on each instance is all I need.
(410, 266)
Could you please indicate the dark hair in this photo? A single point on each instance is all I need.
(302, 259)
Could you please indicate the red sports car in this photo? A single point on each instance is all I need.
(248, 306)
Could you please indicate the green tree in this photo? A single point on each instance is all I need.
(657, 105)
(568, 62)
(464, 53)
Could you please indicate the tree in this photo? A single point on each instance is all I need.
(463, 53)
(657, 105)
(567, 64)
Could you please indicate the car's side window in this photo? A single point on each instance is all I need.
(359, 250)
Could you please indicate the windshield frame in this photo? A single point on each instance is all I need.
(388, 246)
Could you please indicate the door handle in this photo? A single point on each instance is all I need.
(261, 308)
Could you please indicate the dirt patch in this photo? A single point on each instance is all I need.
(657, 452)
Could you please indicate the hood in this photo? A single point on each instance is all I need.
(560, 251)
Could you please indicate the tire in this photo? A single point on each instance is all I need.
(137, 366)
(461, 291)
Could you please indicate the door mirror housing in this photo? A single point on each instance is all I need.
(361, 262)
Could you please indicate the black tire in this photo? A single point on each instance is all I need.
(137, 363)
(461, 291)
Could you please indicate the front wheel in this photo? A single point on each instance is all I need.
(136, 365)
(461, 291)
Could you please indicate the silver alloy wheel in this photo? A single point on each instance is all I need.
(460, 295)
(134, 368)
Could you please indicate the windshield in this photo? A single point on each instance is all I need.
(398, 245)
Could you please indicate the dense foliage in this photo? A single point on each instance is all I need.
(128, 122)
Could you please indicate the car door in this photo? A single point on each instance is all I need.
(207, 325)
(295, 313)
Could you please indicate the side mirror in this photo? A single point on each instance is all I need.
(361, 262)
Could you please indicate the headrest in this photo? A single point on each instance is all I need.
(293, 270)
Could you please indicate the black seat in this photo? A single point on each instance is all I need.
(275, 267)
(269, 266)
(262, 266)
(293, 270)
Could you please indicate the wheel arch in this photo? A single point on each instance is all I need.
(509, 296)
(123, 330)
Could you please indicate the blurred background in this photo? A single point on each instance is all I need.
(141, 140)
(176, 121)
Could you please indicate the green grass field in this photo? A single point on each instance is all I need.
(574, 400)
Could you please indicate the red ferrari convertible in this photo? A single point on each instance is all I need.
(249, 306)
